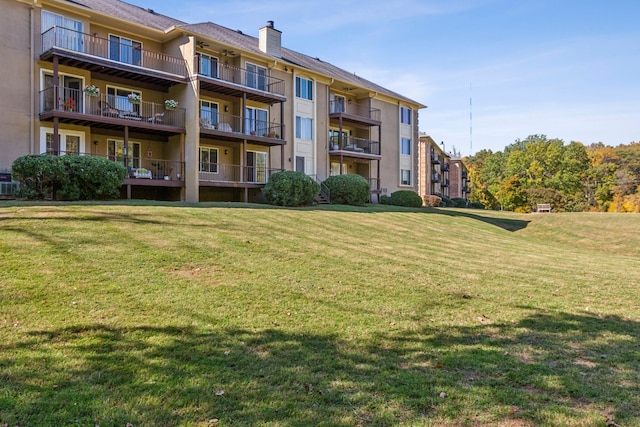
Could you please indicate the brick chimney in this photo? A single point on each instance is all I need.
(270, 40)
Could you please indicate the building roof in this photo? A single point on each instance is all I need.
(126, 11)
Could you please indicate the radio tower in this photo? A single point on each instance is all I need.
(470, 122)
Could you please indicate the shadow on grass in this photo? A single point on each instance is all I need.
(504, 223)
(548, 369)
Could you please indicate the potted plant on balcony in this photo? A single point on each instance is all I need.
(273, 134)
(170, 104)
(92, 90)
(134, 98)
(67, 104)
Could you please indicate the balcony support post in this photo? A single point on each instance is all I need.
(281, 125)
(126, 147)
(56, 95)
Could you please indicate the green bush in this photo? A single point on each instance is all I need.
(38, 175)
(43, 176)
(406, 198)
(476, 205)
(447, 202)
(290, 188)
(385, 200)
(459, 202)
(90, 178)
(349, 189)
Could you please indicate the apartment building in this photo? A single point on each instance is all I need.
(440, 173)
(196, 112)
(460, 184)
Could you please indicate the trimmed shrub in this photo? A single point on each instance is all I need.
(447, 202)
(38, 175)
(290, 188)
(476, 205)
(406, 198)
(43, 176)
(432, 200)
(459, 202)
(349, 189)
(90, 178)
(385, 200)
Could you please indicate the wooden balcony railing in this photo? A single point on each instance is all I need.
(357, 145)
(112, 50)
(239, 76)
(237, 124)
(354, 109)
(222, 172)
(76, 101)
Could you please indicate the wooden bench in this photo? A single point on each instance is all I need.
(544, 207)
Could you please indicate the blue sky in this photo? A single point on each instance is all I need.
(569, 69)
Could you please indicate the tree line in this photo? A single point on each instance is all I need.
(572, 177)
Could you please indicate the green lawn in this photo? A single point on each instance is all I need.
(244, 315)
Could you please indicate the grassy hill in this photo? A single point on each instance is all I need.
(227, 315)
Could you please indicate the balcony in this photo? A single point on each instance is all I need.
(360, 114)
(236, 128)
(112, 58)
(73, 106)
(436, 177)
(435, 159)
(229, 175)
(144, 171)
(444, 167)
(465, 174)
(354, 147)
(445, 182)
(234, 81)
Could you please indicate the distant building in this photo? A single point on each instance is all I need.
(440, 173)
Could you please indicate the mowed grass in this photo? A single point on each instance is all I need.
(244, 315)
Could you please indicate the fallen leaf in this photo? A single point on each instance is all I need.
(443, 395)
(219, 392)
(309, 387)
(214, 421)
(438, 365)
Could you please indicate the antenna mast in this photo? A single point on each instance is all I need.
(470, 122)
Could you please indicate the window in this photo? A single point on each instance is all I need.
(257, 167)
(405, 115)
(68, 32)
(300, 164)
(208, 159)
(208, 65)
(71, 142)
(304, 88)
(405, 146)
(256, 120)
(118, 98)
(209, 113)
(116, 153)
(336, 103)
(405, 177)
(304, 128)
(334, 139)
(69, 94)
(256, 77)
(125, 50)
(334, 169)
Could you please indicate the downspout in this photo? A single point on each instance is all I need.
(31, 77)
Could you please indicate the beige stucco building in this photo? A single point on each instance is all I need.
(440, 173)
(103, 77)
